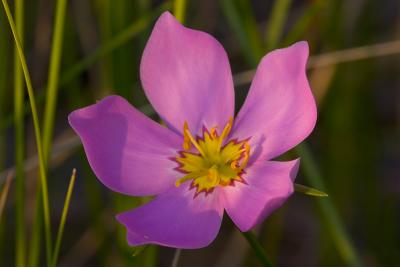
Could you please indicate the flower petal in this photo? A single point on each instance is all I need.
(279, 111)
(268, 186)
(175, 219)
(127, 151)
(186, 76)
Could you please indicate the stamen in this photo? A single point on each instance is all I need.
(186, 140)
(239, 152)
(212, 165)
(225, 132)
(245, 157)
(188, 135)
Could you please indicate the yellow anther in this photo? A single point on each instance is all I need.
(246, 156)
(186, 140)
(225, 132)
(247, 147)
(234, 164)
(236, 154)
(187, 136)
(227, 129)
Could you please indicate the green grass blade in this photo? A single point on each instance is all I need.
(257, 249)
(53, 76)
(180, 10)
(20, 248)
(120, 39)
(36, 125)
(328, 211)
(4, 84)
(5, 62)
(63, 218)
(239, 16)
(303, 23)
(276, 22)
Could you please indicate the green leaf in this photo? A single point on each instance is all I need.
(309, 191)
(137, 250)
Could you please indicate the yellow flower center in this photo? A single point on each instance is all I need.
(212, 161)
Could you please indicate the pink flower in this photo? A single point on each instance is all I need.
(203, 162)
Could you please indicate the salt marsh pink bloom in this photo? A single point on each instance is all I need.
(204, 162)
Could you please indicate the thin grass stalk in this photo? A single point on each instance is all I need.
(34, 247)
(63, 218)
(328, 211)
(53, 77)
(276, 22)
(51, 100)
(42, 169)
(177, 255)
(4, 85)
(4, 193)
(180, 10)
(20, 248)
(257, 249)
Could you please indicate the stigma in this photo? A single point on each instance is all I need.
(212, 160)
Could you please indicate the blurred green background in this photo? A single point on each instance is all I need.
(353, 154)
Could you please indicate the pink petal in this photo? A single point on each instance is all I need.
(268, 186)
(127, 151)
(186, 76)
(175, 219)
(280, 110)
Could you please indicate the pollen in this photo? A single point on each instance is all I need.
(211, 160)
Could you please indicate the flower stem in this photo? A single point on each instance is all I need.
(257, 248)
(42, 169)
(36, 233)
